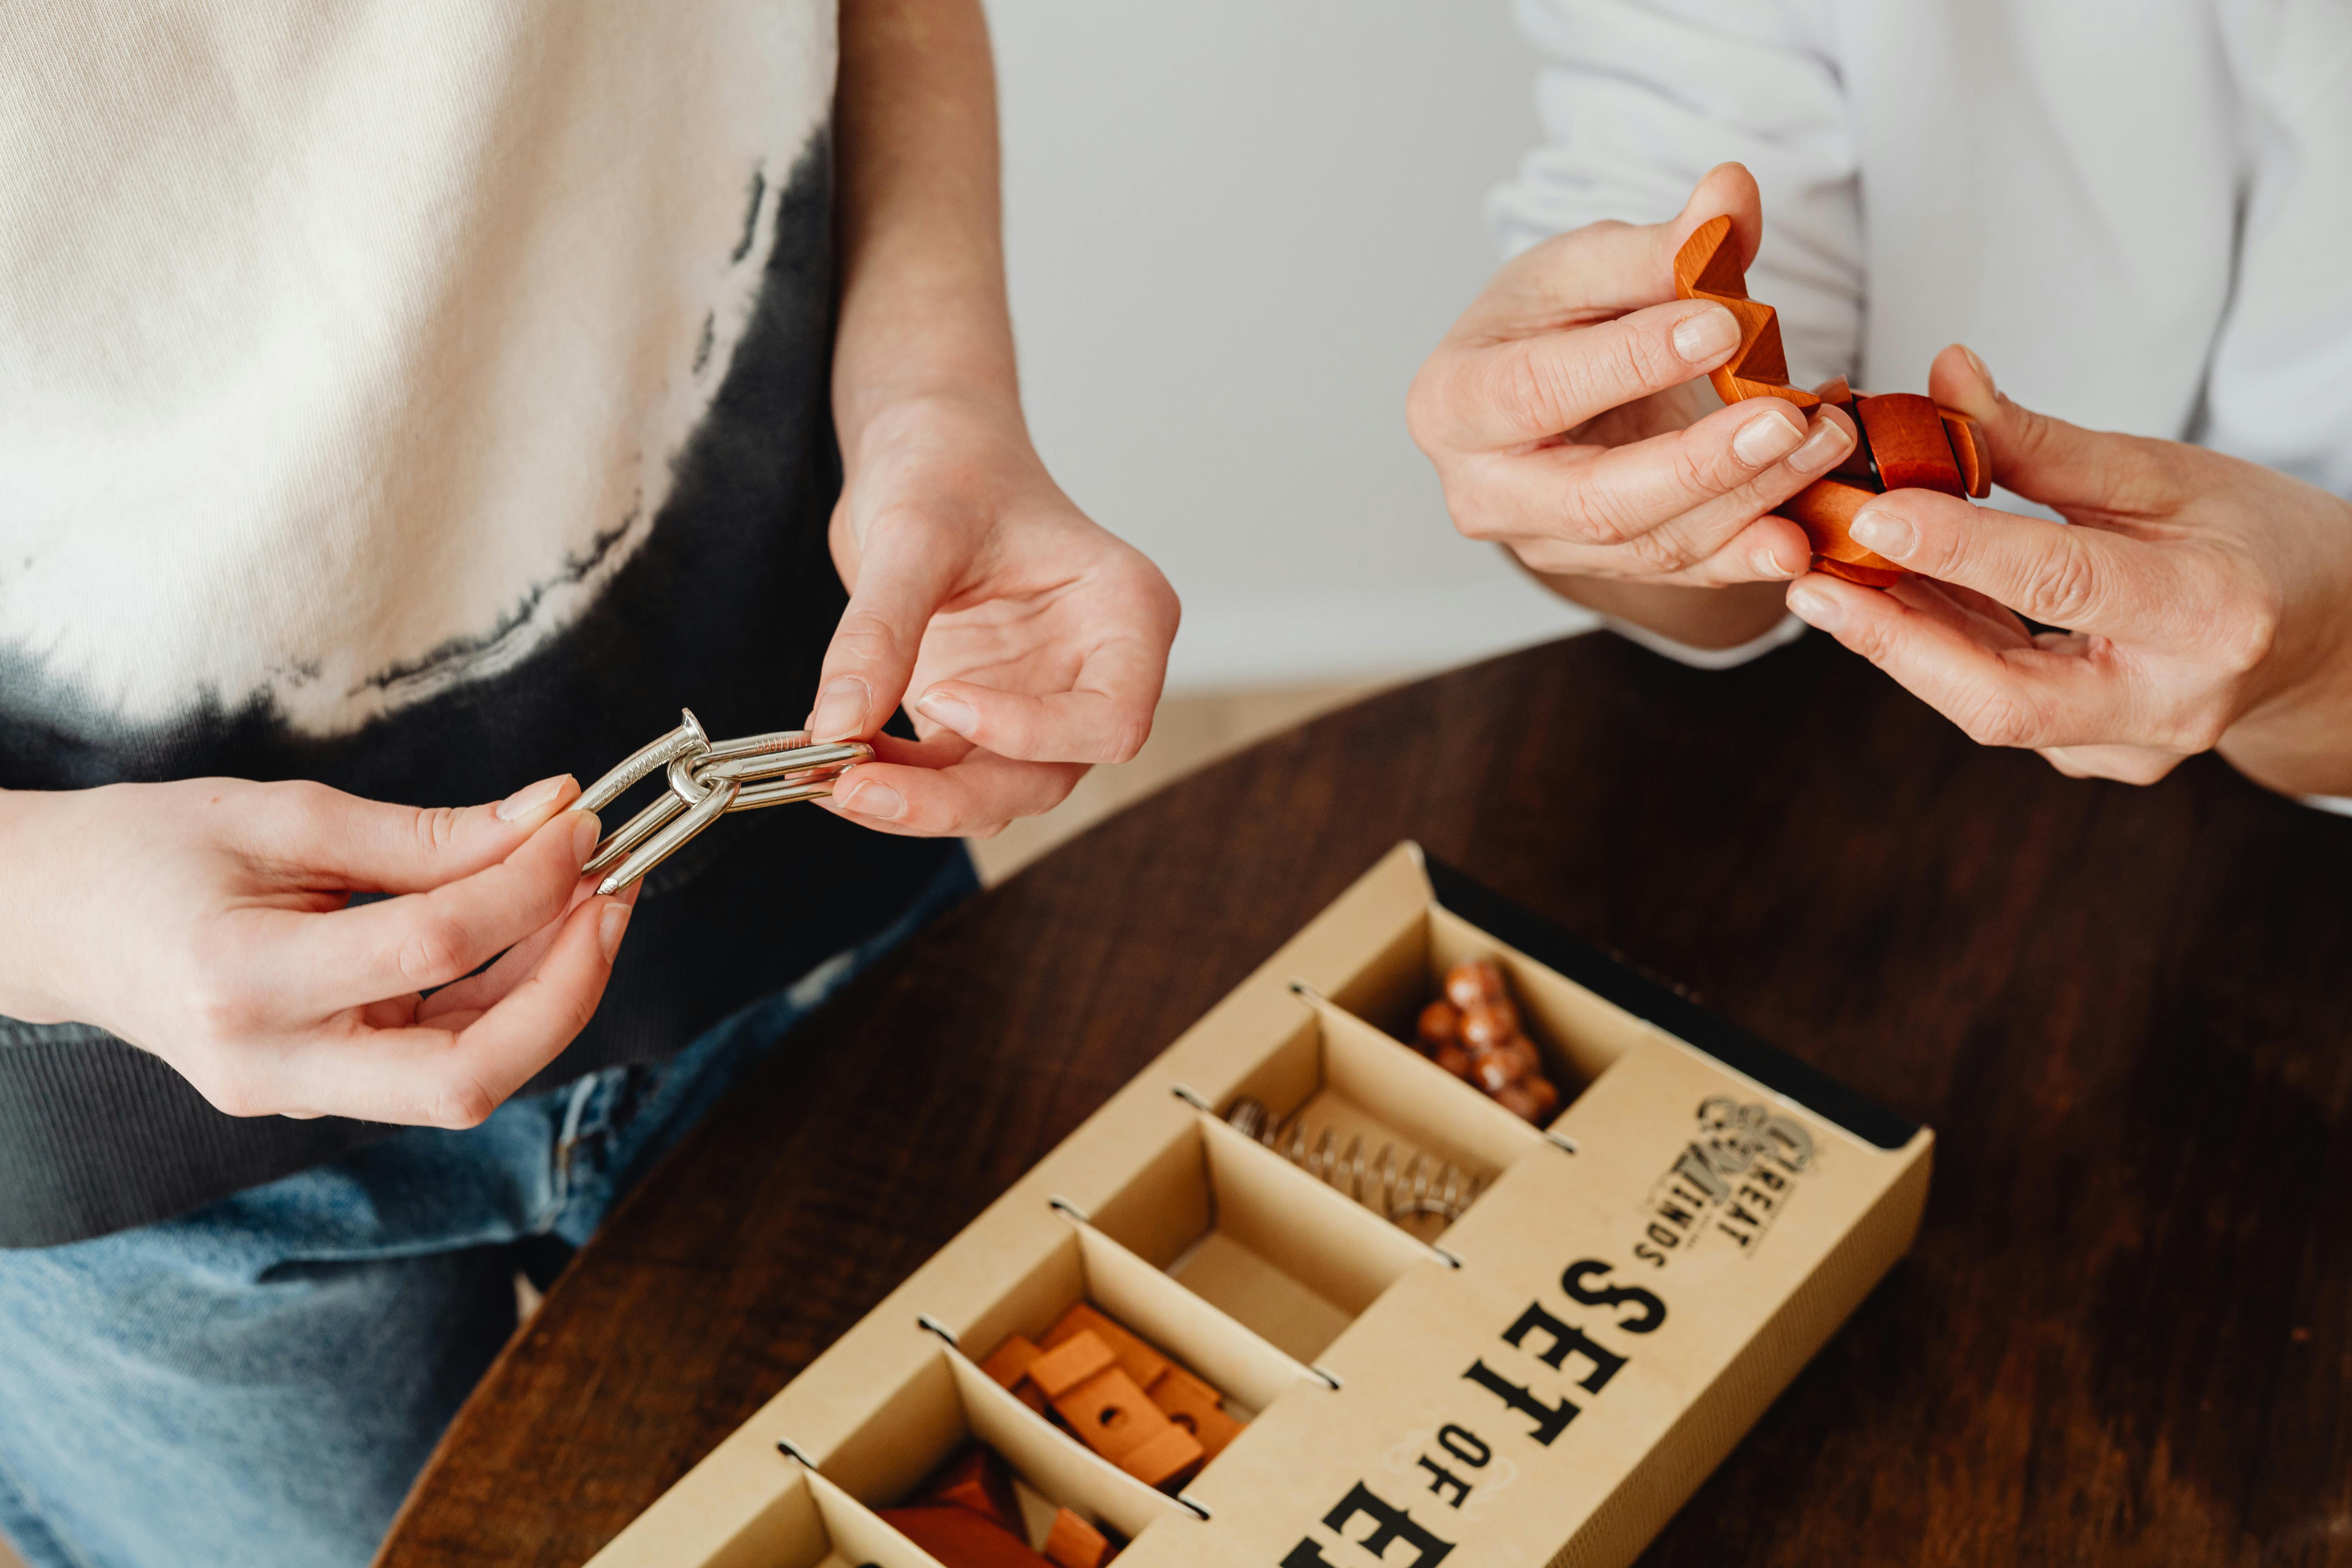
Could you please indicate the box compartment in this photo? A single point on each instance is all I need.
(1285, 1256)
(1378, 1121)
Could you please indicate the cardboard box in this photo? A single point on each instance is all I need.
(1541, 1381)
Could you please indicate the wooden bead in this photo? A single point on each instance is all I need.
(1490, 1024)
(961, 1538)
(1440, 1023)
(1908, 443)
(1073, 1543)
(1475, 980)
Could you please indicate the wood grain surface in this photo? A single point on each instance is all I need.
(2121, 1337)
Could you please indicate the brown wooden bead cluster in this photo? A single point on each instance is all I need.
(968, 1517)
(1110, 1389)
(1901, 440)
(1473, 1032)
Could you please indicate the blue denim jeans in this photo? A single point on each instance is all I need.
(257, 1383)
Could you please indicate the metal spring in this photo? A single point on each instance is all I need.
(1422, 1188)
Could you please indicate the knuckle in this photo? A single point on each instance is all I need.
(435, 827)
(229, 1090)
(2068, 587)
(1528, 392)
(461, 1105)
(1127, 738)
(2246, 630)
(1654, 552)
(433, 952)
(864, 636)
(1991, 716)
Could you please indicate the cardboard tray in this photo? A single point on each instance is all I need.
(1543, 1381)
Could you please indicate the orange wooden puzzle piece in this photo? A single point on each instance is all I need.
(960, 1537)
(1903, 440)
(1113, 1416)
(1075, 1543)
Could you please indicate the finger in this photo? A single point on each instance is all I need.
(978, 794)
(1999, 696)
(461, 1002)
(1770, 549)
(307, 829)
(322, 963)
(430, 1076)
(908, 566)
(2048, 460)
(1965, 610)
(1654, 507)
(2084, 579)
(1606, 268)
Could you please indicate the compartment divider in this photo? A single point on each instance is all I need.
(1408, 1091)
(858, 1534)
(1249, 1371)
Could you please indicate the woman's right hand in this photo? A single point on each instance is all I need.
(1569, 419)
(206, 921)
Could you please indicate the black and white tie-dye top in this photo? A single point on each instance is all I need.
(423, 398)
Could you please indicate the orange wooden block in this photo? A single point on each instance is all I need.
(1135, 1355)
(1070, 1363)
(1197, 1408)
(1111, 1413)
(1906, 437)
(981, 1482)
(1009, 1365)
(1968, 447)
(1075, 1543)
(960, 1538)
(1166, 1461)
(1825, 509)
(1707, 267)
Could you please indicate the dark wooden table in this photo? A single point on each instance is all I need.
(2121, 1337)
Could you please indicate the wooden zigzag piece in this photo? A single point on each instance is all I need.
(1708, 268)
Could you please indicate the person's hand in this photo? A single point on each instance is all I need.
(2206, 601)
(206, 921)
(1569, 417)
(1028, 643)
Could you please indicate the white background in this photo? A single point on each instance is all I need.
(1235, 228)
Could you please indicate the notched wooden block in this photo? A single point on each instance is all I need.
(1196, 1407)
(1009, 1365)
(1112, 1415)
(1139, 1360)
(1908, 443)
(981, 1482)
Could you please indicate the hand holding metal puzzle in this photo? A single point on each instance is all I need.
(707, 779)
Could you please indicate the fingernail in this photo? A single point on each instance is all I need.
(609, 927)
(875, 799)
(840, 714)
(1706, 336)
(530, 799)
(1825, 446)
(1768, 565)
(1876, 527)
(585, 834)
(1767, 439)
(1979, 366)
(952, 712)
(1816, 609)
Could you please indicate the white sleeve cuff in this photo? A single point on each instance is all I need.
(2340, 804)
(1790, 629)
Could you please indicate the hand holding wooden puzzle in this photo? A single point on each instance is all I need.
(1901, 439)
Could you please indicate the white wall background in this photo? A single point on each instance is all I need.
(1235, 228)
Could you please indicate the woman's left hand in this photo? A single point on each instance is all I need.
(2208, 603)
(1027, 642)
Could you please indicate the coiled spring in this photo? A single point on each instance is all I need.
(1409, 1191)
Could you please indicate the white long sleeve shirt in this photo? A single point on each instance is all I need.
(2140, 216)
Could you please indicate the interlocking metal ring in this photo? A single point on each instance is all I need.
(707, 780)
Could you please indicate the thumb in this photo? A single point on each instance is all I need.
(908, 566)
(1727, 188)
(2042, 458)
